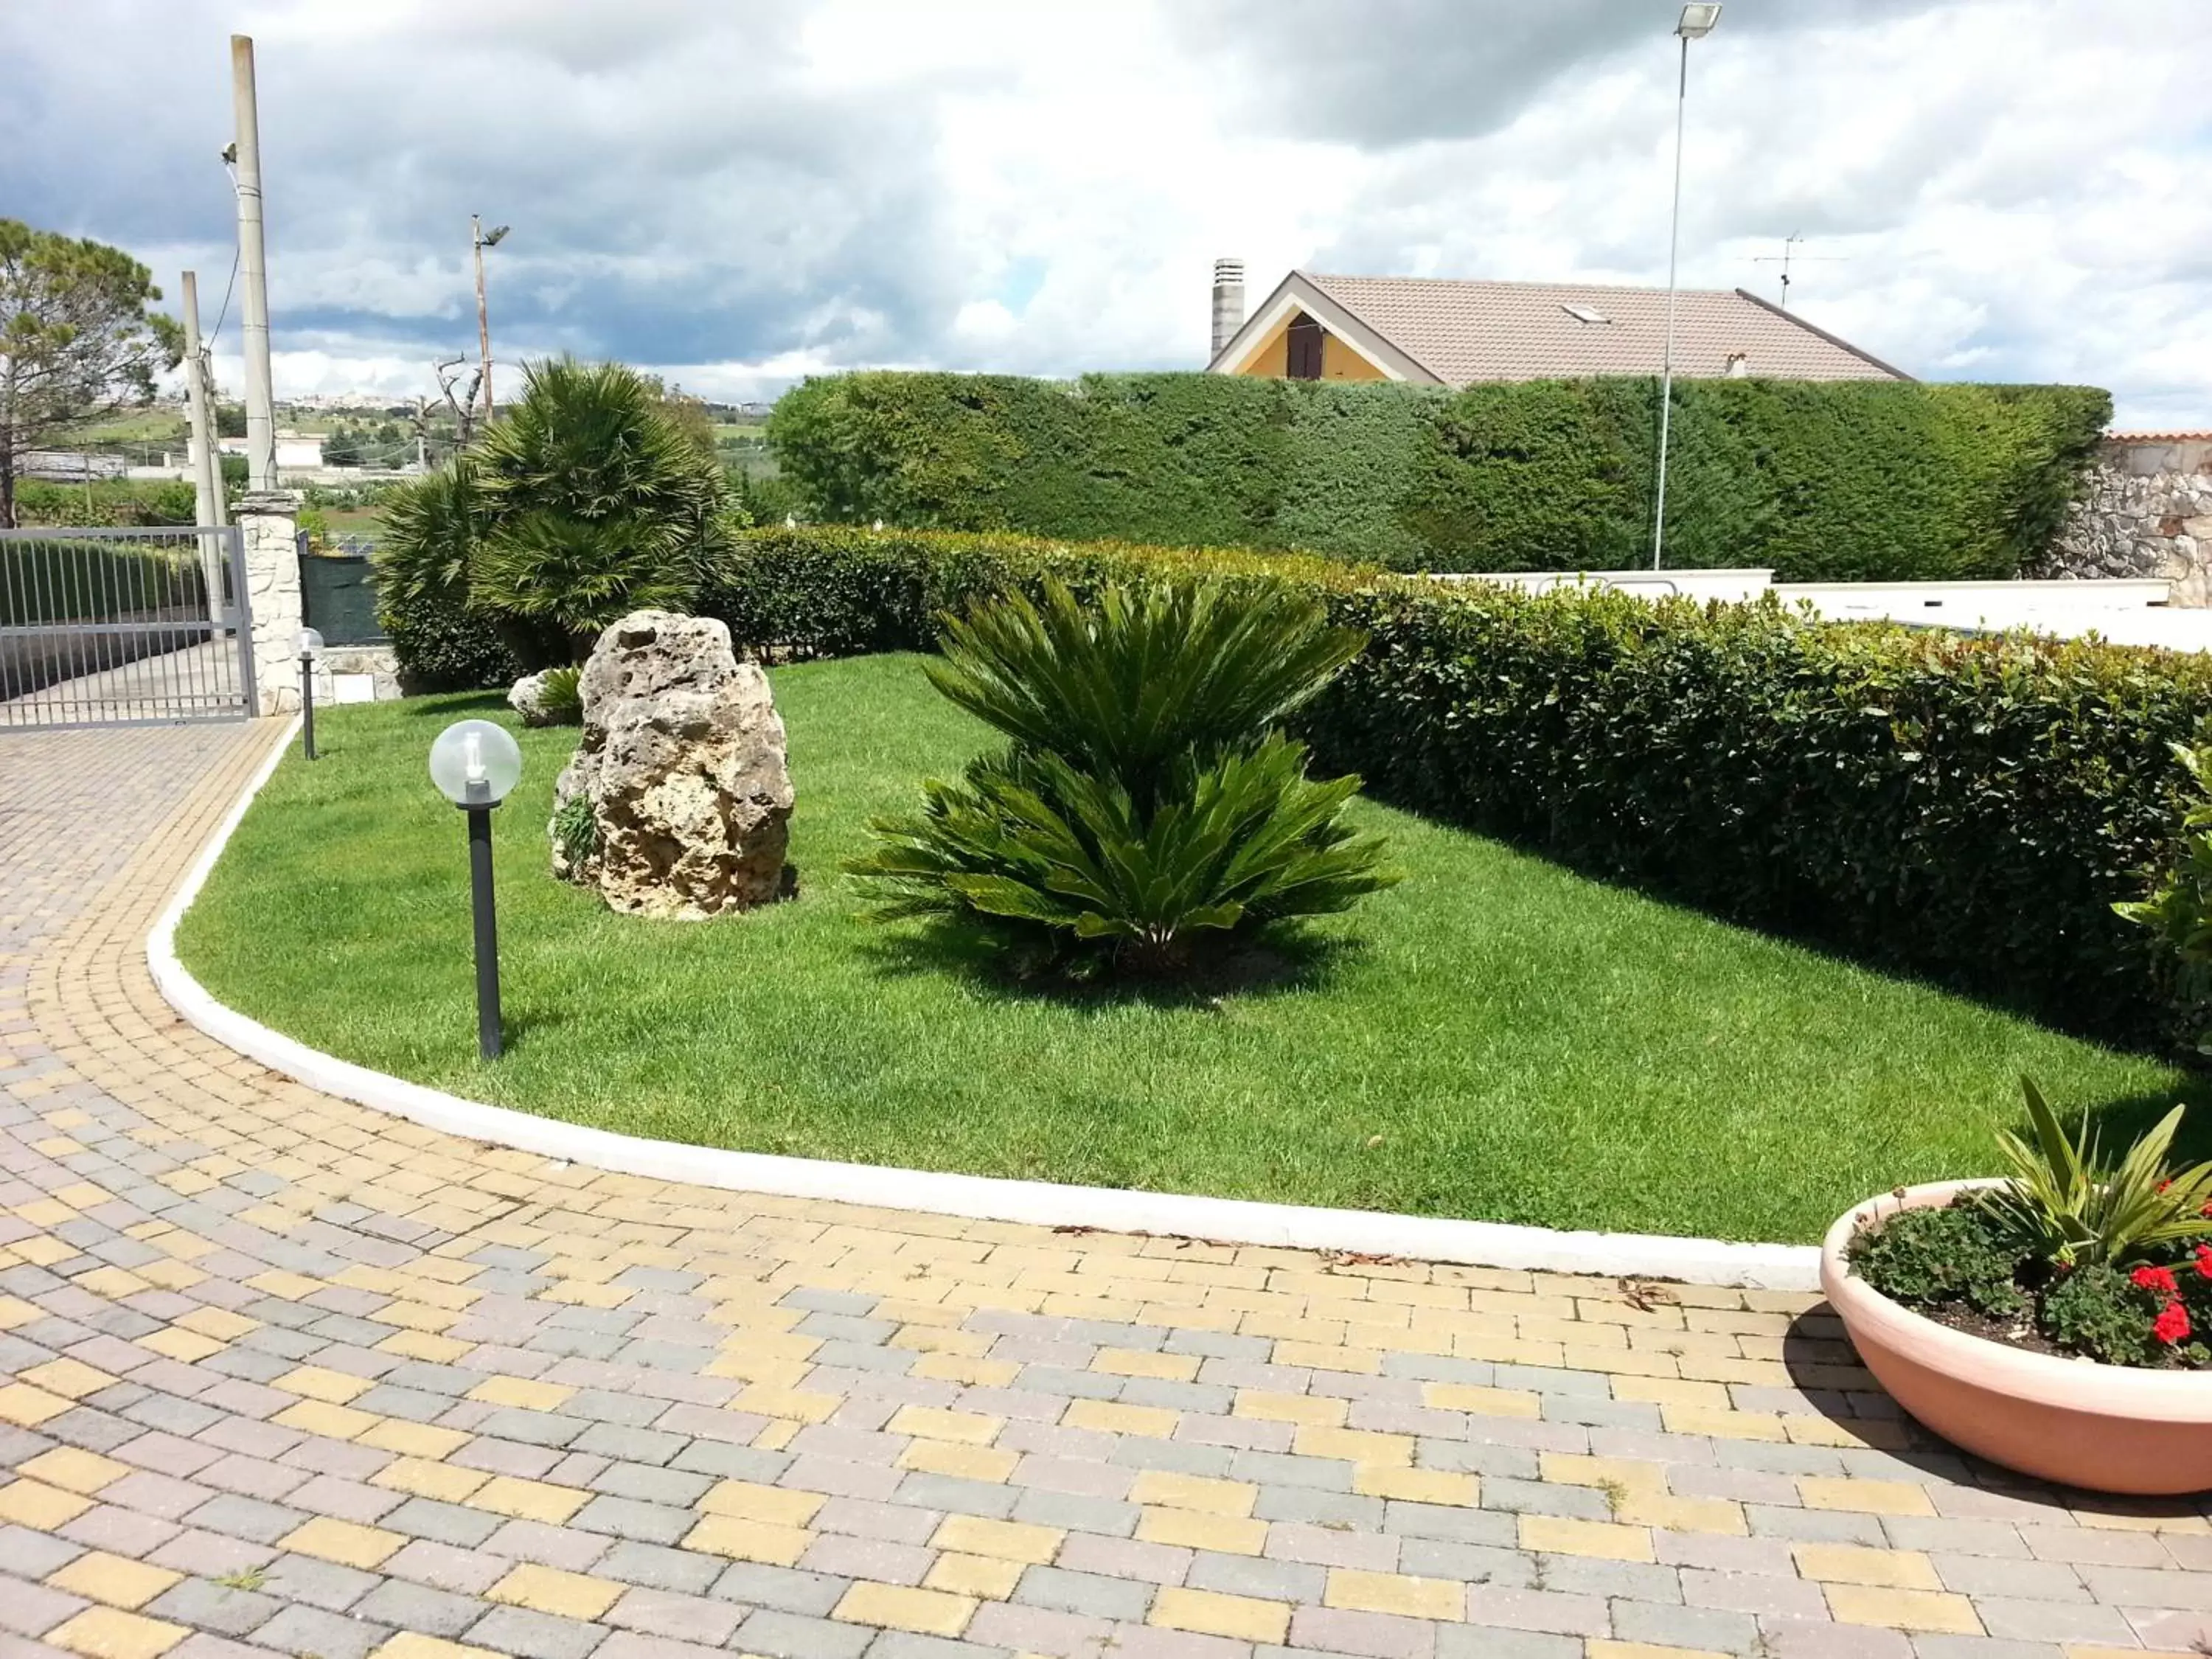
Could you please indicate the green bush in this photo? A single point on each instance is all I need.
(110, 503)
(1821, 480)
(1148, 809)
(1966, 809)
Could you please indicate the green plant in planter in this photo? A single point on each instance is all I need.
(2067, 1207)
(1147, 808)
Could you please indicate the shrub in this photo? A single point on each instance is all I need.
(1146, 806)
(1822, 480)
(560, 694)
(1964, 808)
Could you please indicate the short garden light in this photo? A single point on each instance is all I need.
(474, 763)
(311, 646)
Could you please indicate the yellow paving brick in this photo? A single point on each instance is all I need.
(520, 1391)
(1669, 1391)
(1903, 1609)
(1136, 1362)
(318, 1417)
(897, 1607)
(1645, 1508)
(42, 1252)
(1866, 1496)
(345, 1542)
(527, 1500)
(1190, 1529)
(40, 1507)
(1355, 1446)
(174, 1342)
(83, 1195)
(424, 1440)
(1392, 1592)
(748, 1540)
(1111, 1416)
(220, 1323)
(448, 1483)
(1880, 1433)
(71, 1377)
(981, 1575)
(1002, 1540)
(1857, 1564)
(408, 1645)
(1315, 1411)
(15, 1311)
(1610, 1650)
(290, 1286)
(1723, 1424)
(75, 1470)
(1328, 1357)
(1167, 1488)
(45, 1212)
(422, 1344)
(778, 1506)
(333, 1387)
(1559, 1534)
(415, 1316)
(964, 1462)
(106, 1634)
(113, 1283)
(1487, 1402)
(1240, 1618)
(768, 1401)
(114, 1579)
(1416, 1485)
(564, 1594)
(26, 1407)
(931, 1422)
(963, 1368)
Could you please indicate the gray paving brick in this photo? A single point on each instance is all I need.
(1124, 1558)
(867, 1558)
(548, 1545)
(1281, 1469)
(1320, 1508)
(532, 1635)
(907, 1644)
(1444, 1520)
(1814, 1526)
(1470, 1564)
(29, 1554)
(1544, 1498)
(419, 1608)
(957, 1495)
(304, 1630)
(649, 1524)
(2033, 1580)
(1670, 1624)
(1092, 1594)
(792, 1636)
(1467, 1642)
(448, 1523)
(787, 1589)
(1380, 1635)
(1589, 1575)
(32, 1610)
(1035, 1629)
(1982, 1647)
(1754, 1593)
(1257, 1575)
(865, 1518)
(1077, 1512)
(243, 1517)
(209, 1605)
(678, 1617)
(686, 1571)
(318, 1583)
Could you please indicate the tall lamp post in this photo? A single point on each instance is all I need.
(1697, 22)
(474, 763)
(484, 239)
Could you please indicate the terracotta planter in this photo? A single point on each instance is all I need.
(2104, 1428)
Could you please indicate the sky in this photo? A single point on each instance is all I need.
(738, 192)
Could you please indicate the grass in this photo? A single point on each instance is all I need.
(1496, 1037)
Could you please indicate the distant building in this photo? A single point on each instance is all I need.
(293, 450)
(1443, 332)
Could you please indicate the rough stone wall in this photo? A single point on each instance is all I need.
(267, 521)
(2147, 513)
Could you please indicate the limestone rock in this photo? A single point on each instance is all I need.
(682, 765)
(527, 699)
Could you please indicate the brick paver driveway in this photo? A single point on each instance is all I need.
(283, 1373)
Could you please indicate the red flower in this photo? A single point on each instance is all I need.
(2171, 1325)
(2154, 1279)
(2204, 1260)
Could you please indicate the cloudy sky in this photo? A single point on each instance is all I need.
(740, 192)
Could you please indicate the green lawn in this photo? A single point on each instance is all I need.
(1494, 1038)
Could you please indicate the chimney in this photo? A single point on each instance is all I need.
(1228, 302)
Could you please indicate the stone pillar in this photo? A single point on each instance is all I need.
(269, 521)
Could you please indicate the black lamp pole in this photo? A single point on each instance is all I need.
(487, 927)
(307, 704)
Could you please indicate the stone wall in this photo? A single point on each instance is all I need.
(268, 522)
(2147, 513)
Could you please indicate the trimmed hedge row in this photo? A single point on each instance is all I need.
(1822, 480)
(1962, 808)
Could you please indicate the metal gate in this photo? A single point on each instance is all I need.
(123, 627)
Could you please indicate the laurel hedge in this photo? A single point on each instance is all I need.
(1821, 480)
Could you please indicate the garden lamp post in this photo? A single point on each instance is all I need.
(1697, 22)
(311, 646)
(474, 763)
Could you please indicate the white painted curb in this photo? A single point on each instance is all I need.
(1420, 1238)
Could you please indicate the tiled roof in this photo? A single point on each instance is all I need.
(2158, 437)
(1467, 331)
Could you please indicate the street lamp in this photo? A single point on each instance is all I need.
(311, 646)
(1696, 23)
(474, 763)
(483, 239)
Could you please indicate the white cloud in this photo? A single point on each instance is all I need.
(735, 194)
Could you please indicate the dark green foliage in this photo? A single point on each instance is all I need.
(1966, 809)
(560, 694)
(110, 501)
(1928, 1257)
(1822, 480)
(2097, 1311)
(576, 830)
(1147, 806)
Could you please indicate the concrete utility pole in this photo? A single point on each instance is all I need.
(252, 271)
(207, 470)
(483, 239)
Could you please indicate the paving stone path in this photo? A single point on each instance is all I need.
(281, 1376)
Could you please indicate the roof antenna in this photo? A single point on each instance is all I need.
(1788, 252)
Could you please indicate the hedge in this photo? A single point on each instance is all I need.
(1821, 480)
(1966, 808)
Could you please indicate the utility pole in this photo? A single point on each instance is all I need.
(252, 271)
(207, 469)
(482, 239)
(1697, 22)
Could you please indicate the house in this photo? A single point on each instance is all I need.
(295, 451)
(1443, 332)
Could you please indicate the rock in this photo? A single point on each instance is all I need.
(527, 699)
(683, 764)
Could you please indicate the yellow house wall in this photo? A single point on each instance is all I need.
(1339, 362)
